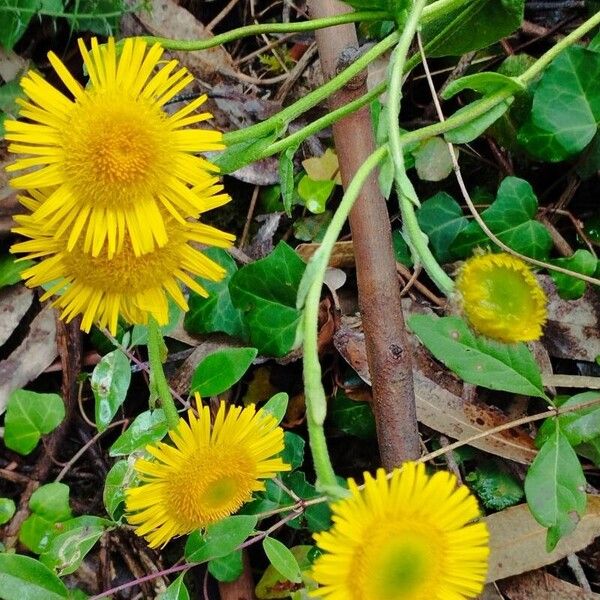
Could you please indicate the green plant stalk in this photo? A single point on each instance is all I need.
(316, 403)
(157, 373)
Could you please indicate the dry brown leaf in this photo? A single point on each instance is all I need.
(14, 303)
(166, 19)
(572, 328)
(439, 402)
(518, 542)
(31, 357)
(539, 584)
(342, 256)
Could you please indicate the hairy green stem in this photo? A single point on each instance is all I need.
(157, 373)
(316, 403)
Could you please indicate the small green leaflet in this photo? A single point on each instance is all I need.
(571, 288)
(176, 591)
(23, 577)
(477, 360)
(282, 559)
(7, 510)
(227, 568)
(277, 406)
(147, 427)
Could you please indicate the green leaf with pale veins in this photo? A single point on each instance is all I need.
(566, 106)
(477, 360)
(216, 313)
(511, 217)
(555, 487)
(266, 291)
(441, 219)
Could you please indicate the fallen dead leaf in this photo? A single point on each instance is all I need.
(31, 357)
(539, 584)
(438, 398)
(342, 256)
(518, 542)
(15, 301)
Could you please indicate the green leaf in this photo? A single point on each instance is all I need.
(511, 219)
(30, 415)
(147, 427)
(475, 127)
(282, 559)
(176, 591)
(316, 517)
(477, 360)
(221, 370)
(227, 568)
(485, 83)
(274, 584)
(472, 26)
(570, 288)
(117, 480)
(286, 178)
(293, 451)
(36, 532)
(220, 539)
(10, 270)
(277, 406)
(354, 418)
(24, 578)
(266, 291)
(139, 333)
(7, 510)
(566, 106)
(312, 228)
(14, 19)
(216, 313)
(401, 249)
(236, 156)
(555, 488)
(441, 219)
(68, 549)
(496, 488)
(106, 22)
(51, 501)
(110, 382)
(315, 193)
(432, 160)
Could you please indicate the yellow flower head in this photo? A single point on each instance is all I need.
(406, 538)
(204, 475)
(501, 298)
(116, 160)
(133, 286)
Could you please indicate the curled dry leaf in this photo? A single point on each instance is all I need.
(438, 398)
(518, 542)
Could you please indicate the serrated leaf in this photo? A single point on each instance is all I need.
(266, 291)
(477, 360)
(30, 415)
(7, 510)
(110, 381)
(511, 219)
(277, 406)
(555, 488)
(176, 591)
(570, 288)
(216, 313)
(22, 577)
(282, 559)
(220, 539)
(227, 568)
(147, 427)
(441, 219)
(566, 106)
(220, 370)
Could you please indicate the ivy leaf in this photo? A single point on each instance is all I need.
(15, 20)
(220, 370)
(511, 218)
(293, 451)
(566, 106)
(227, 568)
(24, 578)
(571, 288)
(472, 26)
(30, 415)
(351, 417)
(266, 291)
(441, 219)
(147, 427)
(216, 313)
(282, 559)
(555, 487)
(477, 360)
(110, 382)
(496, 488)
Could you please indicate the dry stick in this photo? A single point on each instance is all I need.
(226, 10)
(379, 294)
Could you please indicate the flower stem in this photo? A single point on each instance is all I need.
(312, 282)
(157, 374)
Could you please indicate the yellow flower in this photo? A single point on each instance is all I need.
(406, 538)
(116, 160)
(100, 288)
(204, 475)
(501, 298)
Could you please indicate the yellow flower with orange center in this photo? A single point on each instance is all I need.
(206, 473)
(117, 163)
